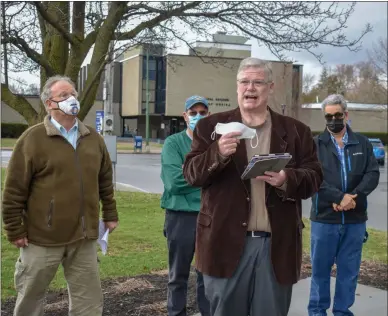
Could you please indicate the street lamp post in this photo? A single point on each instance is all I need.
(147, 147)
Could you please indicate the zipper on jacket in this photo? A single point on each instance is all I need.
(349, 164)
(50, 213)
(344, 185)
(81, 190)
(81, 183)
(316, 204)
(343, 190)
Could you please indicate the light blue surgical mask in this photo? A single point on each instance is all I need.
(193, 120)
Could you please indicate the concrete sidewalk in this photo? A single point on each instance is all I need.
(369, 301)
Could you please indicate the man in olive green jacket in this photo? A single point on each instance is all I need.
(182, 203)
(58, 173)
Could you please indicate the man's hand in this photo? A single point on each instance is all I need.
(275, 179)
(347, 203)
(111, 226)
(21, 243)
(338, 208)
(227, 144)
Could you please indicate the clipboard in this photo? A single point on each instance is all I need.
(262, 163)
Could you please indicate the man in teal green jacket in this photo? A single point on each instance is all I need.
(182, 203)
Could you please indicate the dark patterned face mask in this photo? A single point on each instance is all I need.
(335, 125)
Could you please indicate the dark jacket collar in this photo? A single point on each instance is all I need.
(352, 139)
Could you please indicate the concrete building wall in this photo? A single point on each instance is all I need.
(361, 120)
(131, 86)
(216, 52)
(217, 82)
(90, 119)
(282, 93)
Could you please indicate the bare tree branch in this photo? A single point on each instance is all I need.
(19, 104)
(378, 56)
(22, 45)
(155, 21)
(42, 24)
(42, 10)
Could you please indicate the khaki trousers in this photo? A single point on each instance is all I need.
(37, 266)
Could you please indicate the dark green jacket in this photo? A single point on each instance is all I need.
(52, 193)
(178, 195)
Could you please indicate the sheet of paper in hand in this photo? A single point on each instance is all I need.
(262, 163)
(103, 237)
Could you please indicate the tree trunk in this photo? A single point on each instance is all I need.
(20, 105)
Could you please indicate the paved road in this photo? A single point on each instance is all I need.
(142, 172)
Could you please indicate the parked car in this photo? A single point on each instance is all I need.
(378, 150)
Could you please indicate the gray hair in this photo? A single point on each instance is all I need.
(46, 91)
(252, 62)
(335, 99)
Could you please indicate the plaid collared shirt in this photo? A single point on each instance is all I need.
(341, 155)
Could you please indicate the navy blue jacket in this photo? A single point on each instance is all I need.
(362, 178)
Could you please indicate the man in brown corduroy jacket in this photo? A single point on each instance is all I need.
(249, 232)
(59, 172)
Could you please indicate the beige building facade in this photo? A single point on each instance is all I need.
(185, 75)
(361, 120)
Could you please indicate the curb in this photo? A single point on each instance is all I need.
(131, 152)
(126, 152)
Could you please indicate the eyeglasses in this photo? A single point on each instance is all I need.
(337, 116)
(194, 113)
(256, 83)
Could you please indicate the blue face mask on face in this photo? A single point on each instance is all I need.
(193, 120)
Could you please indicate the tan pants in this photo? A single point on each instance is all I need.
(37, 266)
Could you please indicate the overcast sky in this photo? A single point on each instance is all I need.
(373, 12)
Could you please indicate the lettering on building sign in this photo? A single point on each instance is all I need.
(218, 102)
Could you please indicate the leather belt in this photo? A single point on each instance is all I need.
(258, 234)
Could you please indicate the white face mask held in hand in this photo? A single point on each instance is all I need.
(246, 132)
(70, 106)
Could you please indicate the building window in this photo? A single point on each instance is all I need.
(151, 67)
(156, 84)
(160, 93)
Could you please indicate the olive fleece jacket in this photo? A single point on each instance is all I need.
(52, 192)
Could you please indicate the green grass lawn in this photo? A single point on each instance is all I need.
(10, 143)
(138, 246)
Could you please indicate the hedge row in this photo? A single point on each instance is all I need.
(10, 130)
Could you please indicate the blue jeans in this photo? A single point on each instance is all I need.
(340, 244)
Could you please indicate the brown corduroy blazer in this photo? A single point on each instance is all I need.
(224, 214)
